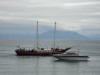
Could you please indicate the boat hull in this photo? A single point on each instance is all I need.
(40, 52)
(37, 53)
(72, 57)
(33, 53)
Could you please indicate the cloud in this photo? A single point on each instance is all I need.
(74, 15)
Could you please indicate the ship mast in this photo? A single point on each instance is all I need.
(54, 35)
(37, 36)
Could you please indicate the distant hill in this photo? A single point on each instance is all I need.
(49, 34)
(64, 35)
(12, 35)
(95, 37)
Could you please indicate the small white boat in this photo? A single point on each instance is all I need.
(71, 55)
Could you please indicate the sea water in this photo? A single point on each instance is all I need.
(11, 64)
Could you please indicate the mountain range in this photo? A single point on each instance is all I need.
(49, 34)
(64, 35)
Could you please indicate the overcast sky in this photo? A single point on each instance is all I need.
(20, 16)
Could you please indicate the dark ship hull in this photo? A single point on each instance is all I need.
(41, 52)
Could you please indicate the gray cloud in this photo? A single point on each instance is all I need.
(75, 15)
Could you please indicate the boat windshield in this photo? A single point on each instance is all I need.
(71, 52)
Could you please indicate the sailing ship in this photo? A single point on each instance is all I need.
(71, 55)
(41, 51)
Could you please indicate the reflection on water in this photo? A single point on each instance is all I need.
(71, 61)
(11, 64)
